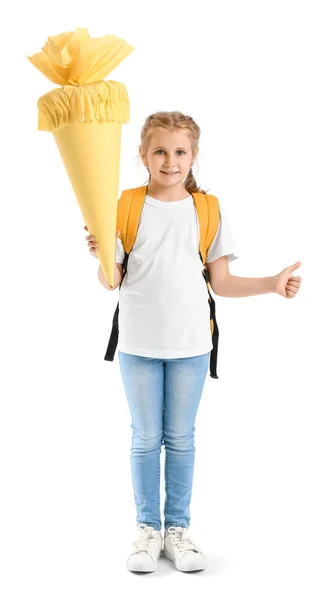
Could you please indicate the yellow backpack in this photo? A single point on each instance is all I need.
(128, 215)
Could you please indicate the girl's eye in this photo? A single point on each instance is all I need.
(159, 151)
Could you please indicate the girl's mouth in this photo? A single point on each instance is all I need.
(170, 172)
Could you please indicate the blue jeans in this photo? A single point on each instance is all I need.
(163, 397)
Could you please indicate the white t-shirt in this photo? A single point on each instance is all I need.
(163, 303)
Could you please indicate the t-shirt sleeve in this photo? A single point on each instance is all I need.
(120, 254)
(223, 243)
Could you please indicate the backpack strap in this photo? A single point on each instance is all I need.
(208, 211)
(129, 209)
(128, 215)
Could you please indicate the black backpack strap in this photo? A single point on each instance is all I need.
(214, 326)
(113, 340)
(215, 340)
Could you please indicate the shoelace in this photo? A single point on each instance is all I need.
(181, 539)
(147, 538)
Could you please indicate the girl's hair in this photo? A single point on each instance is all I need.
(173, 120)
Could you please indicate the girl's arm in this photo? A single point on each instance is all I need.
(118, 276)
(225, 284)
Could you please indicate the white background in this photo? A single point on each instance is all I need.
(253, 75)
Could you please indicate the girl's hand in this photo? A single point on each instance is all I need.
(286, 284)
(93, 244)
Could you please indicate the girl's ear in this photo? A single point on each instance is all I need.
(142, 155)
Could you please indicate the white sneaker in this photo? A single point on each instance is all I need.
(180, 548)
(148, 549)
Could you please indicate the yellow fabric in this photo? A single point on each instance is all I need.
(75, 58)
(208, 212)
(85, 117)
(102, 101)
(128, 215)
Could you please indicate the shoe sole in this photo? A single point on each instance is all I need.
(186, 568)
(141, 569)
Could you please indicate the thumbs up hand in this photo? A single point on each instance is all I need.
(286, 284)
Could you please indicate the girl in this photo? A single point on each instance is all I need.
(164, 335)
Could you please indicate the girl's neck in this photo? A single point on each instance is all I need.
(166, 194)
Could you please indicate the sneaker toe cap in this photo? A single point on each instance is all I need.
(140, 561)
(193, 560)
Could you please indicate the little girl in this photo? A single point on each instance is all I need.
(164, 335)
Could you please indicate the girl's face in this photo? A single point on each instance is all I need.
(169, 156)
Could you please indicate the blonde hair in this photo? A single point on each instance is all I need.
(173, 120)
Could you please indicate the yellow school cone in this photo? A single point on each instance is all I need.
(85, 116)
